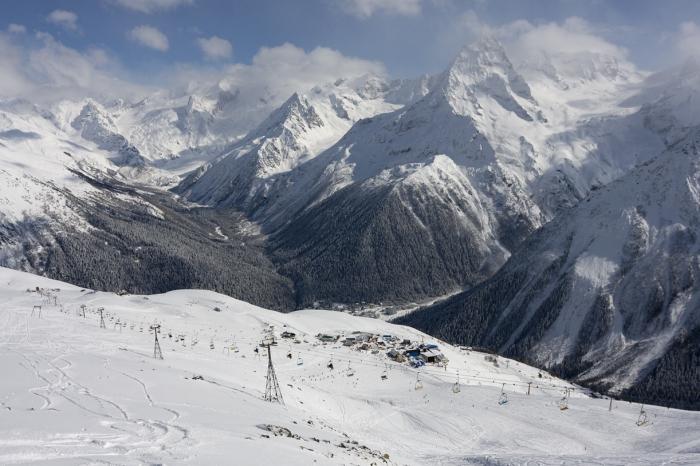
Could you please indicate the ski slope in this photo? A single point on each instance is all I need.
(75, 393)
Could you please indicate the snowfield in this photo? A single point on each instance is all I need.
(75, 393)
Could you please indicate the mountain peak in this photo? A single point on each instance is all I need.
(484, 62)
(484, 52)
(483, 68)
(481, 58)
(295, 111)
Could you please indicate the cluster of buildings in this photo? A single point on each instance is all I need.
(399, 350)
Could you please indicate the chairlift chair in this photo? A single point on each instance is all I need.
(643, 419)
(299, 360)
(564, 402)
(456, 388)
(385, 372)
(419, 382)
(503, 399)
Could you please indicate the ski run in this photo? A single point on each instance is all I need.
(82, 386)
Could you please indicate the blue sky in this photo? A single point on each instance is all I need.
(404, 42)
(147, 41)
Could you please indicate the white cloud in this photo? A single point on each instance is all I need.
(16, 28)
(47, 71)
(215, 48)
(366, 8)
(149, 37)
(573, 36)
(526, 41)
(688, 40)
(151, 6)
(13, 81)
(274, 74)
(64, 18)
(287, 68)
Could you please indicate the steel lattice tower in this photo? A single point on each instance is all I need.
(102, 318)
(157, 354)
(273, 393)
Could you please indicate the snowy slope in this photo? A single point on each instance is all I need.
(81, 394)
(34, 158)
(605, 291)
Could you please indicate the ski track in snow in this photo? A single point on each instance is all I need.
(58, 384)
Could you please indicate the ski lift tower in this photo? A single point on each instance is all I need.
(157, 354)
(273, 394)
(102, 317)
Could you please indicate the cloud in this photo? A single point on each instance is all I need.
(64, 18)
(60, 71)
(215, 48)
(687, 40)
(16, 28)
(151, 6)
(13, 81)
(149, 37)
(274, 74)
(526, 41)
(287, 69)
(366, 8)
(573, 36)
(47, 71)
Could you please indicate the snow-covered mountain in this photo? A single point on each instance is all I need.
(95, 125)
(200, 123)
(83, 394)
(296, 132)
(69, 209)
(84, 194)
(607, 292)
(468, 171)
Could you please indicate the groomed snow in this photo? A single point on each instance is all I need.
(74, 393)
